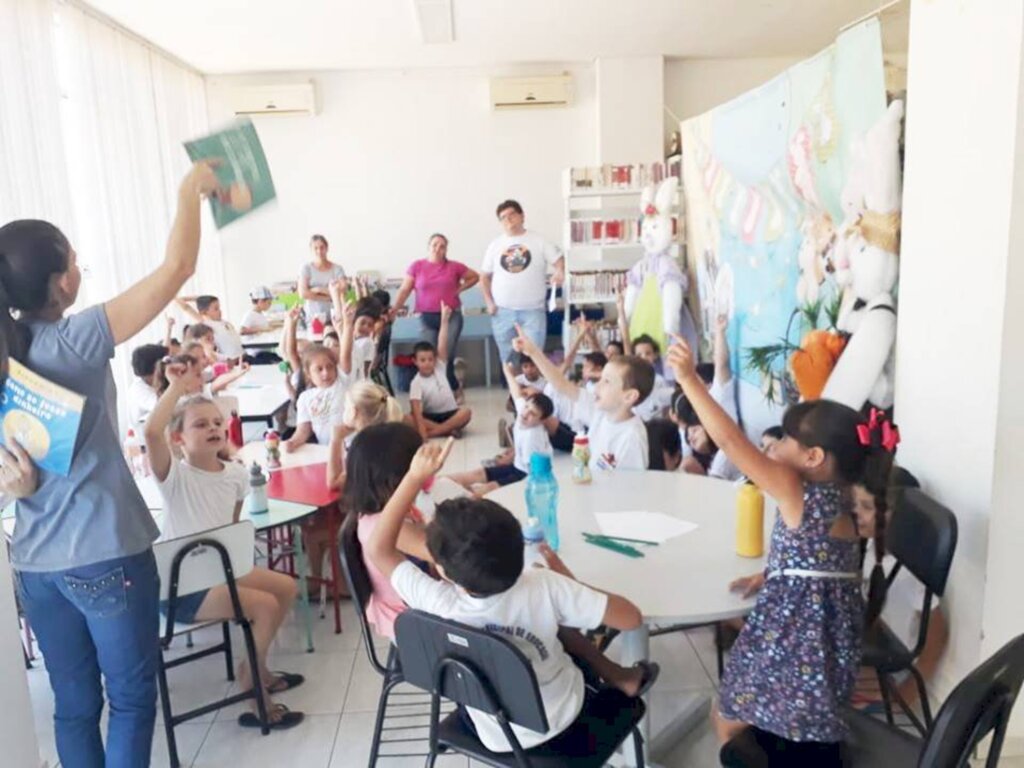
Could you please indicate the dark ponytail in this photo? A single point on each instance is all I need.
(31, 252)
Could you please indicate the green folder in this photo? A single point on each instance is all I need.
(243, 170)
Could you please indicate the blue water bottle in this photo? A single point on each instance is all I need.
(542, 497)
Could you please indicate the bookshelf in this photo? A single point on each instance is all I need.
(601, 229)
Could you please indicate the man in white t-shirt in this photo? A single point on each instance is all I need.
(514, 279)
(486, 587)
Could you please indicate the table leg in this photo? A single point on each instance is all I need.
(300, 562)
(487, 360)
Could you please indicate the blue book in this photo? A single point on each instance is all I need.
(42, 416)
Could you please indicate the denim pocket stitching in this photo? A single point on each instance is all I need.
(103, 596)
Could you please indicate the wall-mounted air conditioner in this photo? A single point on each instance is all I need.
(531, 92)
(283, 99)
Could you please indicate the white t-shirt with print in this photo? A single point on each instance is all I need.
(434, 391)
(255, 320)
(364, 351)
(613, 444)
(141, 400)
(564, 407)
(519, 264)
(656, 403)
(725, 395)
(322, 408)
(528, 440)
(528, 615)
(539, 384)
(228, 342)
(196, 500)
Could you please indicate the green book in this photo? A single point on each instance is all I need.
(243, 170)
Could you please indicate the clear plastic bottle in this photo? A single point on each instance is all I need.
(256, 502)
(581, 460)
(533, 537)
(542, 497)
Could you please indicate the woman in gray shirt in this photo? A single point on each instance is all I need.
(82, 549)
(314, 279)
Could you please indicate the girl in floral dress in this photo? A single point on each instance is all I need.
(794, 665)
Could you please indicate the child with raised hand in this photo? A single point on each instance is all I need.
(201, 492)
(366, 404)
(477, 548)
(656, 404)
(794, 665)
(147, 365)
(203, 335)
(207, 311)
(319, 407)
(529, 436)
(435, 412)
(618, 439)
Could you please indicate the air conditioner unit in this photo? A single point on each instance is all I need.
(533, 92)
(283, 99)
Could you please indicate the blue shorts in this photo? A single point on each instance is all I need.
(504, 474)
(186, 607)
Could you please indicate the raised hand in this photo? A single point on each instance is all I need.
(446, 312)
(429, 459)
(681, 359)
(202, 180)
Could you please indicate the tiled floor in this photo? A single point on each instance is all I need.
(341, 689)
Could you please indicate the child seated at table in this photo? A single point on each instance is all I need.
(618, 439)
(477, 547)
(366, 404)
(256, 320)
(656, 404)
(149, 380)
(201, 492)
(207, 311)
(319, 407)
(529, 436)
(665, 445)
(435, 412)
(214, 379)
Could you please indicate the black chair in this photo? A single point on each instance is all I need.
(486, 672)
(360, 588)
(379, 370)
(980, 705)
(921, 536)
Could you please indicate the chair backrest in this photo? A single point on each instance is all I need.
(202, 566)
(471, 667)
(359, 584)
(922, 537)
(979, 705)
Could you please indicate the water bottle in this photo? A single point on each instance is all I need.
(133, 453)
(256, 502)
(542, 497)
(533, 537)
(581, 460)
(749, 521)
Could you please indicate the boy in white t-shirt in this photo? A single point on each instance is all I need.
(477, 548)
(656, 404)
(207, 311)
(618, 439)
(529, 436)
(144, 389)
(255, 320)
(435, 412)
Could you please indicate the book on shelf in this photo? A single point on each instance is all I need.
(634, 176)
(598, 286)
(609, 231)
(243, 171)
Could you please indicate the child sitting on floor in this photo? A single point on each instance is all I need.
(801, 643)
(477, 547)
(656, 404)
(434, 410)
(665, 445)
(529, 436)
(618, 439)
(201, 492)
(530, 377)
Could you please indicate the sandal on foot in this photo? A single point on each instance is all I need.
(285, 681)
(281, 718)
(649, 676)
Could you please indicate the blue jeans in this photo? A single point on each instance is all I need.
(101, 618)
(534, 323)
(430, 325)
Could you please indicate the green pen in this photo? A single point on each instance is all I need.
(622, 539)
(622, 549)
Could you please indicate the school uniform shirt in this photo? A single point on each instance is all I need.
(538, 384)
(528, 615)
(656, 403)
(903, 601)
(613, 444)
(364, 352)
(322, 408)
(255, 320)
(196, 500)
(141, 400)
(228, 342)
(725, 396)
(528, 440)
(564, 406)
(434, 391)
(519, 265)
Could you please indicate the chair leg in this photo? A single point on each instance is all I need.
(188, 640)
(431, 759)
(229, 660)
(257, 684)
(382, 707)
(638, 748)
(883, 686)
(165, 705)
(719, 649)
(335, 559)
(922, 695)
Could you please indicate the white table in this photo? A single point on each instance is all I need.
(308, 453)
(264, 340)
(261, 393)
(683, 581)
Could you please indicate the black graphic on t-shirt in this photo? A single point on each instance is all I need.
(516, 258)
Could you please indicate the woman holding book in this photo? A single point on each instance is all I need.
(83, 543)
(438, 280)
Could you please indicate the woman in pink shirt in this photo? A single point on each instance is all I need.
(436, 279)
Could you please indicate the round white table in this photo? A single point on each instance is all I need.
(684, 581)
(261, 393)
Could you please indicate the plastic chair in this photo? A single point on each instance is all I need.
(213, 558)
(921, 536)
(488, 673)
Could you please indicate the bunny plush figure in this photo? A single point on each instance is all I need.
(656, 286)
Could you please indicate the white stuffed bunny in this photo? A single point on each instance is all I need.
(659, 271)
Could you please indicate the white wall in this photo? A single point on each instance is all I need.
(957, 216)
(629, 108)
(396, 155)
(693, 86)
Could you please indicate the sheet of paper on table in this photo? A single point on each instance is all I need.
(643, 525)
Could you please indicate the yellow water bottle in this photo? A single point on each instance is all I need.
(749, 521)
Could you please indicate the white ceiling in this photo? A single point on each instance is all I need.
(222, 36)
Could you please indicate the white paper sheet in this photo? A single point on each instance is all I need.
(656, 527)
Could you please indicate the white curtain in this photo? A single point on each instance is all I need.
(91, 126)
